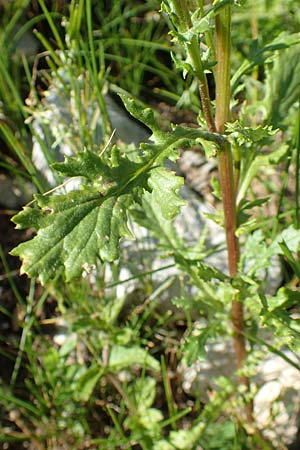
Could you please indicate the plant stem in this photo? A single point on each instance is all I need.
(222, 36)
(182, 11)
(228, 179)
(297, 134)
(225, 161)
(225, 165)
(226, 175)
(193, 50)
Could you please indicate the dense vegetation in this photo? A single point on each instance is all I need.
(118, 305)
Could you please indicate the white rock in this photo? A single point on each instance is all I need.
(277, 401)
(57, 130)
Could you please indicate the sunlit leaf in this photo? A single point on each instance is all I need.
(121, 357)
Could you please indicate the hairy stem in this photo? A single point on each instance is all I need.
(182, 11)
(229, 177)
(226, 175)
(225, 161)
(222, 36)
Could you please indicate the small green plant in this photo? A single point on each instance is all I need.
(246, 127)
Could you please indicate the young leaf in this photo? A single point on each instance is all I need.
(122, 357)
(183, 439)
(243, 134)
(143, 393)
(198, 270)
(166, 143)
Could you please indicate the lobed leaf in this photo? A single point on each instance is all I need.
(76, 228)
(166, 143)
(160, 182)
(243, 134)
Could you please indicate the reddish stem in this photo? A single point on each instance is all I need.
(228, 189)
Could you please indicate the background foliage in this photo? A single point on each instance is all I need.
(113, 381)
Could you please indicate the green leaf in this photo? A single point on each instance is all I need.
(201, 24)
(220, 436)
(186, 439)
(283, 86)
(243, 134)
(166, 143)
(260, 161)
(162, 181)
(283, 41)
(122, 357)
(86, 164)
(163, 445)
(184, 66)
(291, 239)
(210, 148)
(87, 382)
(255, 245)
(198, 270)
(77, 228)
(149, 215)
(119, 170)
(144, 115)
(284, 300)
(144, 391)
(68, 346)
(259, 55)
(51, 361)
(142, 395)
(150, 418)
(247, 205)
(293, 262)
